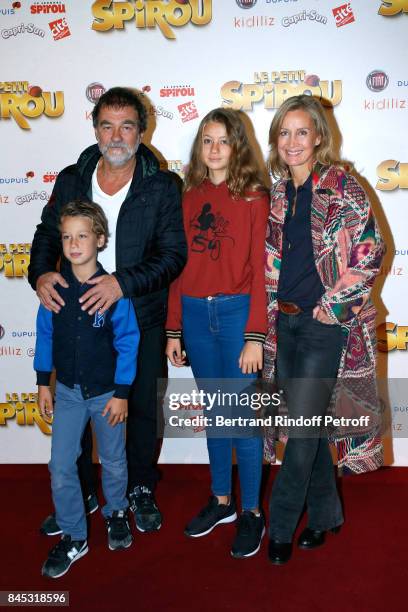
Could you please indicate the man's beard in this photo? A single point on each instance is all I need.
(118, 159)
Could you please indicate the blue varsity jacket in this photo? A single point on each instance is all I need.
(97, 352)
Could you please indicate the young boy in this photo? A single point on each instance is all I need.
(95, 362)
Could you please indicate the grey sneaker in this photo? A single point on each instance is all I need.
(50, 527)
(63, 555)
(209, 517)
(145, 510)
(119, 535)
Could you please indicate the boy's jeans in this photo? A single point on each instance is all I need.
(71, 413)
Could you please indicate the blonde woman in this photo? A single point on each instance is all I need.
(323, 251)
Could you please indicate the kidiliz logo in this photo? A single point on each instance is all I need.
(343, 15)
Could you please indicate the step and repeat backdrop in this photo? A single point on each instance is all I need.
(187, 57)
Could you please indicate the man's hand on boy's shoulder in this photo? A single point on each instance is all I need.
(105, 292)
(45, 401)
(117, 410)
(48, 295)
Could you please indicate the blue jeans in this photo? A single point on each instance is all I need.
(308, 359)
(213, 330)
(71, 414)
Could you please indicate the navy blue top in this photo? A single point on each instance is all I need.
(97, 352)
(299, 281)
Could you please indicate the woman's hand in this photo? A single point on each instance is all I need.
(321, 316)
(251, 357)
(174, 353)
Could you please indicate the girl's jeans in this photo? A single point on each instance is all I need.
(213, 330)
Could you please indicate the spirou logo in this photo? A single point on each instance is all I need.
(151, 13)
(22, 408)
(392, 175)
(273, 88)
(389, 8)
(391, 336)
(15, 259)
(175, 91)
(47, 7)
(19, 100)
(49, 177)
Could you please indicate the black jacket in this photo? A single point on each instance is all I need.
(151, 248)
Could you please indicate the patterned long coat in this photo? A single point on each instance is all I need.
(348, 250)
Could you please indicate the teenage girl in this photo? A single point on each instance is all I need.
(218, 305)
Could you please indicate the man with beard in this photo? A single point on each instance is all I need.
(146, 251)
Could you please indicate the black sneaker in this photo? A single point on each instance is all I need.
(250, 531)
(50, 526)
(119, 536)
(209, 517)
(63, 555)
(144, 508)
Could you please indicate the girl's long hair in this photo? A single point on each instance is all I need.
(243, 173)
(324, 152)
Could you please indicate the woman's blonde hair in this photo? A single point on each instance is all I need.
(243, 173)
(324, 152)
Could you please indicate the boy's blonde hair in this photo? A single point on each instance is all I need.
(92, 211)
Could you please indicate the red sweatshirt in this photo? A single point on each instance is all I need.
(226, 245)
